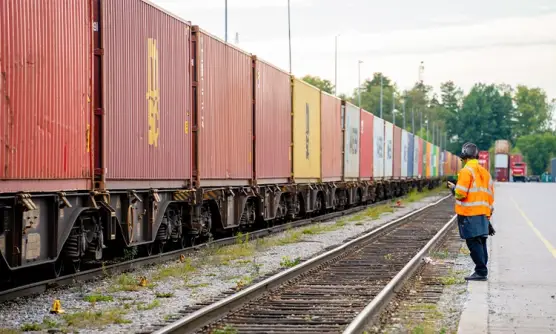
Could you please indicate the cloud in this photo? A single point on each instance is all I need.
(232, 4)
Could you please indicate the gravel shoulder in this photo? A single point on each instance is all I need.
(121, 305)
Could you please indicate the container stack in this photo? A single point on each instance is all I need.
(502, 160)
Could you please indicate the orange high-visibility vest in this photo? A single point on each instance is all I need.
(474, 191)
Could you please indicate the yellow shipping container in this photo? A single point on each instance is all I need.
(306, 132)
(429, 160)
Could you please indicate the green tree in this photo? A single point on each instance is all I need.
(370, 97)
(537, 150)
(322, 84)
(533, 111)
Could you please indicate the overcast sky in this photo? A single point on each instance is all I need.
(491, 41)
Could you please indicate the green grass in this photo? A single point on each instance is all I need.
(150, 306)
(226, 330)
(94, 318)
(31, 327)
(97, 298)
(164, 294)
(287, 263)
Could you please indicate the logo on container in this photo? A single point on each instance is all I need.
(153, 93)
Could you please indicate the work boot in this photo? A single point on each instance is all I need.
(476, 277)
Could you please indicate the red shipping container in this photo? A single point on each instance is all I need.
(484, 159)
(515, 158)
(146, 96)
(502, 174)
(331, 137)
(273, 126)
(397, 171)
(421, 152)
(45, 115)
(224, 112)
(366, 142)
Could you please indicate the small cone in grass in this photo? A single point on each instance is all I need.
(143, 281)
(182, 258)
(56, 307)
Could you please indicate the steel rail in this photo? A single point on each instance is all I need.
(366, 317)
(124, 266)
(215, 311)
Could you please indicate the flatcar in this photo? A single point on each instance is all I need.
(125, 127)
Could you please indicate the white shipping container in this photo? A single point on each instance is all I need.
(351, 142)
(388, 149)
(404, 153)
(378, 152)
(442, 163)
(501, 161)
(416, 156)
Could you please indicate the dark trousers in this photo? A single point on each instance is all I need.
(478, 248)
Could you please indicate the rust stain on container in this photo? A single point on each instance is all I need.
(45, 73)
(367, 144)
(147, 95)
(225, 111)
(273, 127)
(331, 137)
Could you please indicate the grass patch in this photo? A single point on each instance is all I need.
(164, 294)
(125, 282)
(198, 285)
(454, 277)
(440, 254)
(149, 306)
(50, 323)
(464, 250)
(98, 298)
(225, 330)
(9, 331)
(243, 281)
(287, 263)
(359, 223)
(181, 270)
(31, 327)
(92, 318)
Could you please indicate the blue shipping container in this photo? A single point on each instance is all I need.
(411, 154)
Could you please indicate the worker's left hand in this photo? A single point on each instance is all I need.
(491, 230)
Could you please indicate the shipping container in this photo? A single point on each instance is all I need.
(45, 114)
(502, 147)
(441, 163)
(501, 161)
(273, 126)
(553, 166)
(224, 112)
(502, 174)
(428, 160)
(518, 171)
(416, 157)
(306, 132)
(484, 159)
(422, 158)
(397, 152)
(331, 137)
(147, 141)
(448, 164)
(378, 152)
(366, 146)
(515, 158)
(388, 149)
(410, 154)
(434, 163)
(352, 125)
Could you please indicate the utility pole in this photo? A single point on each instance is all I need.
(381, 95)
(289, 36)
(226, 20)
(359, 84)
(393, 108)
(413, 120)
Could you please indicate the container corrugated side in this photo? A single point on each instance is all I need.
(397, 152)
(388, 149)
(306, 132)
(352, 125)
(405, 154)
(331, 137)
(45, 115)
(410, 154)
(434, 171)
(366, 143)
(501, 161)
(378, 152)
(428, 159)
(224, 113)
(441, 165)
(146, 96)
(422, 158)
(273, 128)
(416, 156)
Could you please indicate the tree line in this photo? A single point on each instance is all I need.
(488, 112)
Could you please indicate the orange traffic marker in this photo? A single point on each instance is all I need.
(56, 307)
(182, 258)
(143, 281)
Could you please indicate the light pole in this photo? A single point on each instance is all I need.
(290, 36)
(226, 20)
(336, 65)
(359, 84)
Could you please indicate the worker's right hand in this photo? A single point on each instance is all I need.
(451, 185)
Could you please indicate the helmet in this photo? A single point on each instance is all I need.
(469, 151)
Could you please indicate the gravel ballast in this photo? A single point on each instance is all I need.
(119, 305)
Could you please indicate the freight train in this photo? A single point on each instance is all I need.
(125, 127)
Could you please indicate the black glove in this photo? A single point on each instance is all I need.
(491, 230)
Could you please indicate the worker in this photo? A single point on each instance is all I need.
(474, 194)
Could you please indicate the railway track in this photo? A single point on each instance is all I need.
(343, 289)
(116, 268)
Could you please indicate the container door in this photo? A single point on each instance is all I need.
(351, 142)
(388, 149)
(378, 138)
